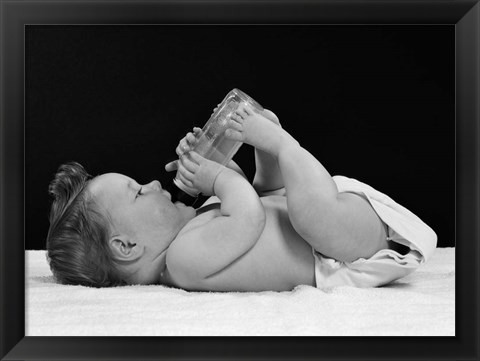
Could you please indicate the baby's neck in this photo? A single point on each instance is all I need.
(205, 208)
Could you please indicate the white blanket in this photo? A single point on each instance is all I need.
(422, 303)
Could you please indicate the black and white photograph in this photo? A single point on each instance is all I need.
(324, 157)
(245, 179)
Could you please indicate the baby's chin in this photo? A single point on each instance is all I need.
(180, 205)
(188, 211)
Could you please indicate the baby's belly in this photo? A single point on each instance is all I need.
(280, 260)
(288, 255)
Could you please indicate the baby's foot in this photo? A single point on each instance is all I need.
(271, 116)
(255, 129)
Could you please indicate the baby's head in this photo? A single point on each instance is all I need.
(109, 230)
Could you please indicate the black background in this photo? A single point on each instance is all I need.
(375, 103)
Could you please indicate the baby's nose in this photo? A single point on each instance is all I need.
(155, 185)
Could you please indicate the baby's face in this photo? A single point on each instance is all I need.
(145, 213)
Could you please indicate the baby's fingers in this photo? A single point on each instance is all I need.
(169, 167)
(191, 138)
(188, 164)
(197, 158)
(184, 171)
(182, 147)
(183, 178)
(197, 131)
(215, 109)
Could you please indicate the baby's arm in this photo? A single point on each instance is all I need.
(235, 167)
(213, 246)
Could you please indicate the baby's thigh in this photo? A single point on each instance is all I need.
(354, 230)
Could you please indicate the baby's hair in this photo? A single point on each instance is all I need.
(77, 242)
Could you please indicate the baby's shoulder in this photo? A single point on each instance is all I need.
(204, 215)
(185, 247)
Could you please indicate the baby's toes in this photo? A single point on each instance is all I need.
(235, 121)
(242, 110)
(234, 135)
(248, 110)
(235, 124)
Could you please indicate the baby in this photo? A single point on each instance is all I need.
(295, 225)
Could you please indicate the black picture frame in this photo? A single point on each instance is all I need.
(465, 15)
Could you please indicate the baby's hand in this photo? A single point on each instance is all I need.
(185, 145)
(199, 173)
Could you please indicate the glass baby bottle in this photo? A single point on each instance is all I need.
(212, 143)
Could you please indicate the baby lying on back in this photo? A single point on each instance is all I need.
(295, 225)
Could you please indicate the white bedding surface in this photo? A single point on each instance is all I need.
(422, 303)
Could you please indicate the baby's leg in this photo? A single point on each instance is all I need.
(343, 226)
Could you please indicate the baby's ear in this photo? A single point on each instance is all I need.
(125, 250)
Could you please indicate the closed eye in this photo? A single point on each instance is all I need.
(139, 193)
